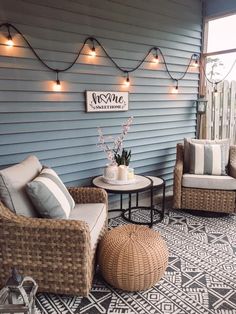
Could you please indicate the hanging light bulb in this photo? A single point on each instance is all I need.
(93, 51)
(156, 58)
(127, 80)
(175, 89)
(10, 42)
(57, 84)
(215, 90)
(195, 62)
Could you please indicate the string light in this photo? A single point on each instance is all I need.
(10, 42)
(175, 89)
(215, 90)
(57, 84)
(156, 58)
(195, 62)
(93, 51)
(127, 80)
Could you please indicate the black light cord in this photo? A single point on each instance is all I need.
(194, 55)
(93, 40)
(8, 25)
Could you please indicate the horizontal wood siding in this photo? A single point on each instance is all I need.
(55, 126)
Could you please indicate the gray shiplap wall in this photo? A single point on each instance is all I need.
(54, 126)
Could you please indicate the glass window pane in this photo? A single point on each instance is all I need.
(221, 34)
(219, 65)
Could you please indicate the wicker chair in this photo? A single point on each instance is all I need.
(206, 199)
(56, 253)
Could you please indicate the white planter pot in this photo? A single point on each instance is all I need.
(123, 173)
(111, 172)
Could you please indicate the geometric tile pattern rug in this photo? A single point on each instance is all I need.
(200, 278)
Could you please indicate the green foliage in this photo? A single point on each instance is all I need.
(123, 158)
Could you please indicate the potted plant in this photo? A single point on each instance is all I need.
(118, 157)
(123, 158)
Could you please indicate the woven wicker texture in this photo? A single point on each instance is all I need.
(203, 199)
(210, 200)
(56, 253)
(132, 257)
(178, 173)
(232, 161)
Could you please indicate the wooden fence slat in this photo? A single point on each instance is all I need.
(232, 112)
(216, 116)
(209, 112)
(225, 103)
(221, 112)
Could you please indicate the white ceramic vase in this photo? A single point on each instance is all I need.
(110, 172)
(123, 173)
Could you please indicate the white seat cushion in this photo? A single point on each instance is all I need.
(94, 214)
(209, 182)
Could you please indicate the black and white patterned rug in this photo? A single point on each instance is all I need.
(200, 278)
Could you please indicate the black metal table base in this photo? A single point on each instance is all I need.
(153, 211)
(148, 187)
(151, 208)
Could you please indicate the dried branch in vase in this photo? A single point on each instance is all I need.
(115, 151)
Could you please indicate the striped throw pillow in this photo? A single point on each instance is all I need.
(50, 196)
(225, 143)
(206, 159)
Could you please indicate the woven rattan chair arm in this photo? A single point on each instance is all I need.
(88, 195)
(232, 161)
(180, 152)
(74, 234)
(178, 173)
(41, 225)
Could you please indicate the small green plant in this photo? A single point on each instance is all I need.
(123, 158)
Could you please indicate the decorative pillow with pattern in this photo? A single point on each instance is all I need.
(50, 196)
(206, 159)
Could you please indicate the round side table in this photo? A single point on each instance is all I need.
(141, 184)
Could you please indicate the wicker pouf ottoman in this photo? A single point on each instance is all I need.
(132, 257)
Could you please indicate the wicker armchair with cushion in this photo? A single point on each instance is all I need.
(215, 193)
(58, 253)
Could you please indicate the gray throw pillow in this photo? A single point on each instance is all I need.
(50, 196)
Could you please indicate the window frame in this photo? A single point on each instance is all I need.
(204, 55)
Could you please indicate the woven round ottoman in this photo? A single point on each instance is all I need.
(132, 257)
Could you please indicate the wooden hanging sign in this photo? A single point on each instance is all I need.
(100, 101)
